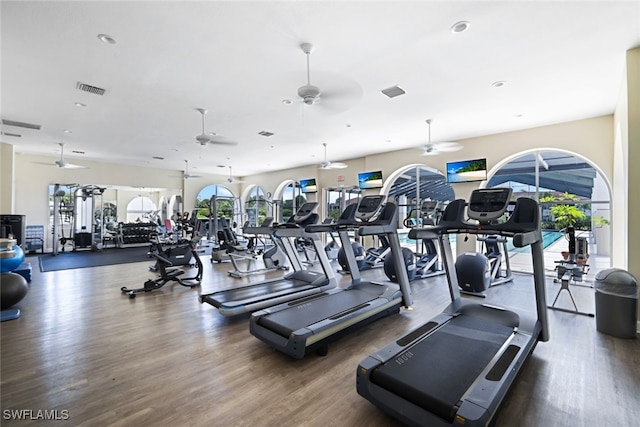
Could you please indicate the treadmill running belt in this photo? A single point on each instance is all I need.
(314, 310)
(258, 292)
(436, 372)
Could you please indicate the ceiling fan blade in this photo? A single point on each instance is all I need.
(341, 95)
(66, 165)
(448, 146)
(221, 140)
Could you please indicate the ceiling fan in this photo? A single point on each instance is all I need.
(326, 164)
(186, 174)
(231, 179)
(211, 138)
(435, 148)
(62, 163)
(341, 97)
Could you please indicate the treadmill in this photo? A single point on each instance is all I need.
(309, 324)
(299, 283)
(457, 368)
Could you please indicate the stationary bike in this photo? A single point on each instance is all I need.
(168, 273)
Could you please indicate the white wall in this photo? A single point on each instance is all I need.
(591, 138)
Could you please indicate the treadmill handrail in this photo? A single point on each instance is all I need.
(524, 228)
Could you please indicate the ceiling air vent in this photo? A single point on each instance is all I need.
(265, 133)
(12, 134)
(20, 124)
(91, 89)
(393, 91)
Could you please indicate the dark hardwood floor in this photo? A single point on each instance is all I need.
(98, 358)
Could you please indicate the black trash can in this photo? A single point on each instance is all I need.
(616, 303)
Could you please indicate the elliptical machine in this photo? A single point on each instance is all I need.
(170, 274)
(273, 257)
(477, 272)
(365, 259)
(427, 262)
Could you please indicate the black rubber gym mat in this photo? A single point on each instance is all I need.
(436, 372)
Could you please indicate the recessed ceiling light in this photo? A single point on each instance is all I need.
(105, 38)
(67, 131)
(286, 101)
(80, 104)
(499, 83)
(460, 27)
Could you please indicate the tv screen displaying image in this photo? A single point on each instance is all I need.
(467, 171)
(370, 180)
(308, 185)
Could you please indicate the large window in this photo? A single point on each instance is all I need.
(289, 201)
(415, 184)
(142, 209)
(571, 192)
(257, 206)
(216, 197)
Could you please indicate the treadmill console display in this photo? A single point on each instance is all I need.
(369, 207)
(488, 204)
(305, 212)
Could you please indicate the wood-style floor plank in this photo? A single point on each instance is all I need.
(165, 359)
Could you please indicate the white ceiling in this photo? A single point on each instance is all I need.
(561, 61)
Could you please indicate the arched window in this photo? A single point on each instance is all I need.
(288, 199)
(256, 206)
(224, 202)
(571, 192)
(411, 185)
(141, 209)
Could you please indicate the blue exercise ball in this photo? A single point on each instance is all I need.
(10, 263)
(13, 287)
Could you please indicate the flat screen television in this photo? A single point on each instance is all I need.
(368, 180)
(467, 171)
(309, 185)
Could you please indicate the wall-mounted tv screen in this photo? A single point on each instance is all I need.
(308, 185)
(467, 171)
(370, 180)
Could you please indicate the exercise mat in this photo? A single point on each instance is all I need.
(83, 259)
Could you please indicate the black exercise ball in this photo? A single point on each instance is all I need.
(359, 253)
(13, 287)
(409, 263)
